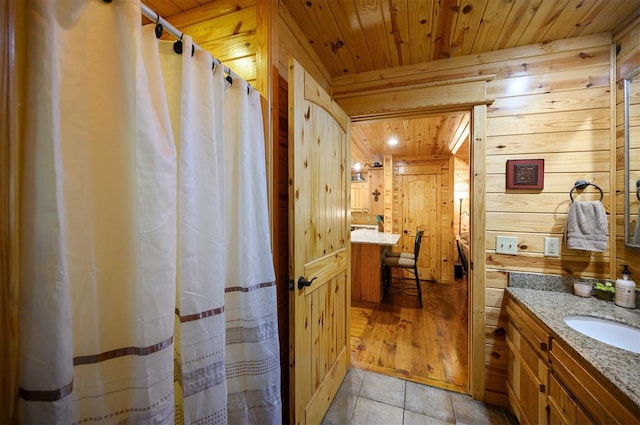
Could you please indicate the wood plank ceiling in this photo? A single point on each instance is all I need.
(355, 36)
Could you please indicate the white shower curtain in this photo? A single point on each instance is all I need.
(253, 360)
(124, 256)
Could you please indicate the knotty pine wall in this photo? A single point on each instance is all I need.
(554, 106)
(627, 59)
(552, 101)
(293, 44)
(461, 181)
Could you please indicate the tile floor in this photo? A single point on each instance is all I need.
(370, 398)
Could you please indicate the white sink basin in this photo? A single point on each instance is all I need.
(607, 331)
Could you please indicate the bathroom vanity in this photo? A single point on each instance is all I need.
(557, 375)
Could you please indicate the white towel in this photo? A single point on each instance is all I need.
(587, 228)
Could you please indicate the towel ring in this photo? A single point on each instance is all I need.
(582, 184)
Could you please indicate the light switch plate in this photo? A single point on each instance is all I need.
(507, 245)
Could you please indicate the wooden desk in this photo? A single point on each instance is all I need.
(367, 251)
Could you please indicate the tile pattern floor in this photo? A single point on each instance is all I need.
(369, 398)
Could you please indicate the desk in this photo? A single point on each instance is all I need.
(367, 250)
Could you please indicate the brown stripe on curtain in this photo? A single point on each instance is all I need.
(198, 316)
(48, 396)
(249, 288)
(119, 352)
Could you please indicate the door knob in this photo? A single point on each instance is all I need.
(302, 282)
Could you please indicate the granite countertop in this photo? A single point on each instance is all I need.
(374, 237)
(619, 366)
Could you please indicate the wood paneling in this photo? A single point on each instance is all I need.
(11, 63)
(428, 135)
(280, 235)
(290, 46)
(336, 40)
(357, 37)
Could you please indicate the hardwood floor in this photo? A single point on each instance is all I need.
(428, 346)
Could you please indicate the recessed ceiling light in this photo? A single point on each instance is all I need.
(392, 141)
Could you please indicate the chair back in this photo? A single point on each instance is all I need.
(417, 243)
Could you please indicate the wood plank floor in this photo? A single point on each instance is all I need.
(428, 346)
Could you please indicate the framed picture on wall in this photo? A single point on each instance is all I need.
(525, 174)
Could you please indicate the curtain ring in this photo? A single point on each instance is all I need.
(177, 46)
(159, 29)
(229, 78)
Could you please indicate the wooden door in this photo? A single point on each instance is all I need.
(420, 205)
(319, 246)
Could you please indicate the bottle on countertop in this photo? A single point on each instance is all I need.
(626, 290)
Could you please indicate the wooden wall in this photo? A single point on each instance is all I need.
(293, 44)
(552, 101)
(561, 114)
(628, 59)
(229, 32)
(461, 187)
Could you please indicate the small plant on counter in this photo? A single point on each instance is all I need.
(605, 290)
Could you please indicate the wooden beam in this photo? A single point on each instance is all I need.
(478, 267)
(393, 101)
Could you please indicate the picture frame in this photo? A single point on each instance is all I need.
(525, 174)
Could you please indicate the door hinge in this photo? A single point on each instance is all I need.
(291, 285)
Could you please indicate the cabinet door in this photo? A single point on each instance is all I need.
(527, 382)
(359, 197)
(563, 410)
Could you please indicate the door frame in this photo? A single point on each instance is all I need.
(476, 276)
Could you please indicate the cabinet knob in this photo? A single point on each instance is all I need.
(543, 346)
(542, 388)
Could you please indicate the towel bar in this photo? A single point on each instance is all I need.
(582, 184)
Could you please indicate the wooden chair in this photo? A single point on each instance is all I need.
(406, 261)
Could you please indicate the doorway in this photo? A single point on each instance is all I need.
(431, 161)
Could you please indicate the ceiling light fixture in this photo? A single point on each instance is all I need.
(392, 141)
(357, 166)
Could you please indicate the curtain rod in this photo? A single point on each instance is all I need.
(156, 18)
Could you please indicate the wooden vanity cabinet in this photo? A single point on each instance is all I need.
(597, 401)
(548, 383)
(528, 366)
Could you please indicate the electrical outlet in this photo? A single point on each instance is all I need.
(551, 247)
(507, 245)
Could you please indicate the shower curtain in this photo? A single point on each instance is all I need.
(135, 306)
